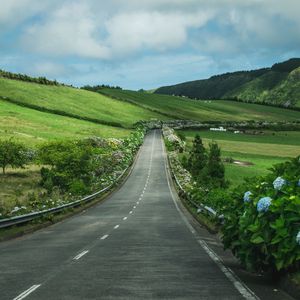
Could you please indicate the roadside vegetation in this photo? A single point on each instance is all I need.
(59, 172)
(260, 216)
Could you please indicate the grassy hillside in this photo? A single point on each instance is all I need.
(218, 110)
(278, 85)
(76, 102)
(33, 127)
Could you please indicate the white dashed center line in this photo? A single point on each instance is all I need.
(125, 218)
(104, 237)
(117, 226)
(130, 212)
(81, 254)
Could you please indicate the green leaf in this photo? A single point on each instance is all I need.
(257, 240)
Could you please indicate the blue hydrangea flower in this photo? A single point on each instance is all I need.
(298, 183)
(298, 238)
(278, 183)
(247, 196)
(264, 204)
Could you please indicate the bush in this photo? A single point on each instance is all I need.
(69, 161)
(262, 220)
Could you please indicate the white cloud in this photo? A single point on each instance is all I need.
(70, 30)
(154, 30)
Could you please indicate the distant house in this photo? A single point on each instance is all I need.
(218, 129)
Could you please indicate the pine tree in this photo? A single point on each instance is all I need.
(197, 159)
(215, 167)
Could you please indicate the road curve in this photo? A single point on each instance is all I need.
(135, 245)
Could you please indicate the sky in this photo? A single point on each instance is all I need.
(145, 43)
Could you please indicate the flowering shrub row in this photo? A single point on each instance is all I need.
(262, 220)
(173, 142)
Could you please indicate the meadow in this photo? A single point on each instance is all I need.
(262, 151)
(217, 110)
(74, 101)
(34, 127)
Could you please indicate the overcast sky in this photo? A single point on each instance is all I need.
(145, 43)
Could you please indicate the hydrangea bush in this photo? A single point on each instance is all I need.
(262, 220)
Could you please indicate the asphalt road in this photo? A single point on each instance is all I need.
(135, 245)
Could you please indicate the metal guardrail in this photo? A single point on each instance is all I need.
(200, 206)
(31, 216)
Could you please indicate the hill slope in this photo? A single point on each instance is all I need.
(74, 102)
(278, 85)
(34, 127)
(219, 110)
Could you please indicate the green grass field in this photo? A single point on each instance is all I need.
(75, 101)
(33, 127)
(262, 151)
(218, 110)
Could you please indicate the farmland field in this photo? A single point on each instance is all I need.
(262, 151)
(75, 101)
(218, 110)
(33, 127)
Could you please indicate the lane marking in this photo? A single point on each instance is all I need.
(125, 218)
(130, 212)
(134, 207)
(104, 237)
(27, 292)
(81, 254)
(241, 287)
(138, 203)
(117, 226)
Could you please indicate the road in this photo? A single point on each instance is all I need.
(135, 245)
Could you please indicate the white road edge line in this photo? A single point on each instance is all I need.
(117, 226)
(27, 292)
(242, 288)
(104, 237)
(125, 218)
(80, 254)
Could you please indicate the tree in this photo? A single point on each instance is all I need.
(215, 167)
(71, 166)
(12, 154)
(198, 158)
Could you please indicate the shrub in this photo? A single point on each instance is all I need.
(69, 162)
(262, 220)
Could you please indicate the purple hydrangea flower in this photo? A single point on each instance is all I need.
(247, 196)
(278, 183)
(264, 204)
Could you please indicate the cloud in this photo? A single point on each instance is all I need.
(70, 30)
(131, 32)
(125, 42)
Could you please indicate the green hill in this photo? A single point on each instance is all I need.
(216, 110)
(34, 127)
(74, 102)
(35, 112)
(278, 85)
